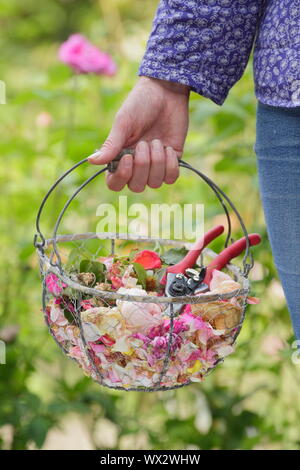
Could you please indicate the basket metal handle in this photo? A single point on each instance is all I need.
(111, 167)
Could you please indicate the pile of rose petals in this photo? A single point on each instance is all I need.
(129, 344)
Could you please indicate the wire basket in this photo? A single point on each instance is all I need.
(135, 339)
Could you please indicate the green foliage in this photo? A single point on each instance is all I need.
(88, 266)
(252, 400)
(140, 271)
(174, 255)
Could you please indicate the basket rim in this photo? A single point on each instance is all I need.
(47, 267)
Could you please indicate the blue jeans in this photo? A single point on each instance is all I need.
(278, 158)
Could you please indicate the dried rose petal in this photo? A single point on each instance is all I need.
(116, 282)
(54, 285)
(253, 300)
(107, 340)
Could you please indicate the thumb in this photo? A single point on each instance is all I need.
(114, 143)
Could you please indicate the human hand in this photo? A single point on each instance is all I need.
(154, 121)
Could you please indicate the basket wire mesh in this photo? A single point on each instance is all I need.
(210, 304)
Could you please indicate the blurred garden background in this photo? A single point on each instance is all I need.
(49, 122)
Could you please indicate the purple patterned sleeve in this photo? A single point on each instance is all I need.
(203, 44)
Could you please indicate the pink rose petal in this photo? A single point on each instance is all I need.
(54, 285)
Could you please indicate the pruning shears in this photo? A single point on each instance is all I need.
(181, 279)
(191, 257)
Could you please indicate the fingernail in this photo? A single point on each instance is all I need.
(95, 156)
(141, 144)
(156, 143)
(127, 160)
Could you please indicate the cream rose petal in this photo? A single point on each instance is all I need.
(90, 331)
(54, 313)
(224, 351)
(217, 278)
(121, 345)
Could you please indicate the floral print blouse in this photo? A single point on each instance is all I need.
(206, 44)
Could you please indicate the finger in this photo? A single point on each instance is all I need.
(141, 167)
(172, 166)
(158, 163)
(116, 181)
(114, 143)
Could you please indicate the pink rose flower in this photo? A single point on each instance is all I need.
(84, 57)
(147, 258)
(159, 342)
(159, 346)
(54, 285)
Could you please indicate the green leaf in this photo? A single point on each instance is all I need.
(38, 429)
(174, 255)
(88, 266)
(140, 271)
(158, 274)
(69, 316)
(159, 248)
(132, 254)
(73, 259)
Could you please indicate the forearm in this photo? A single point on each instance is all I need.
(203, 46)
(167, 85)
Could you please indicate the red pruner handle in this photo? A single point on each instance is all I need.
(229, 253)
(191, 257)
